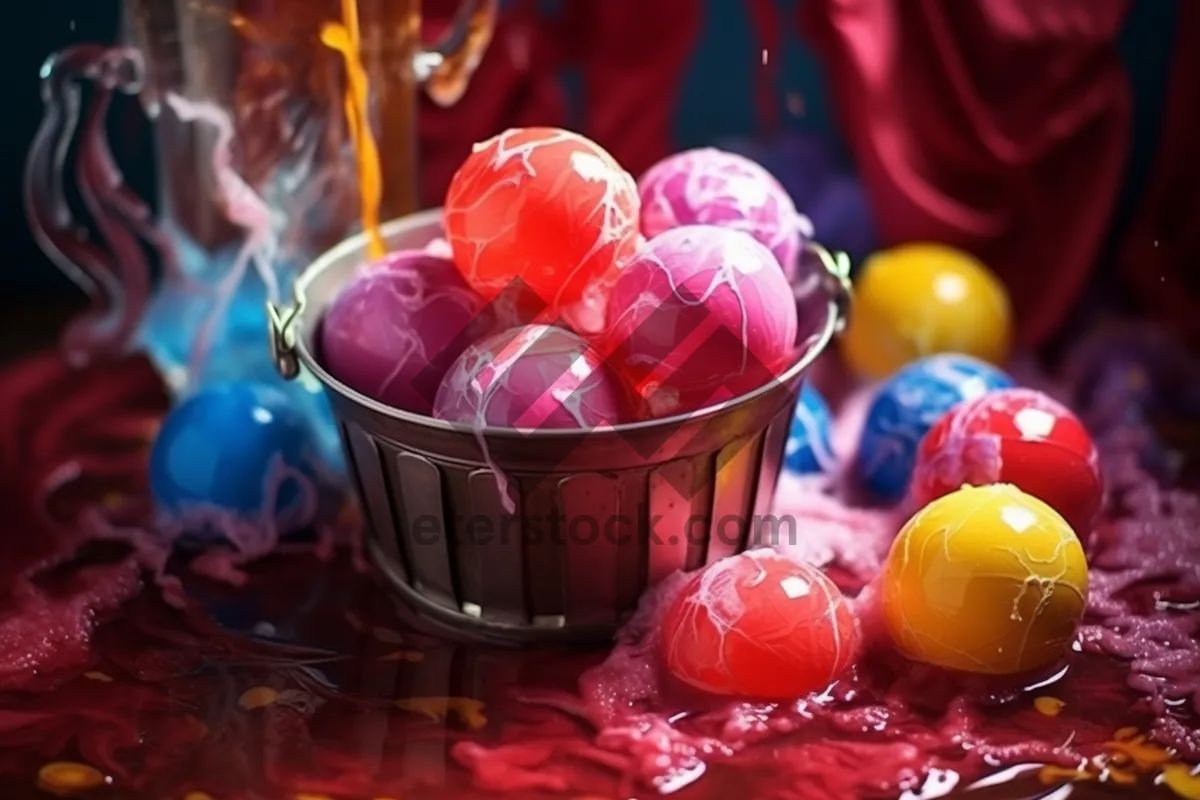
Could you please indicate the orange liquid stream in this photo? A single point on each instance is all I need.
(344, 37)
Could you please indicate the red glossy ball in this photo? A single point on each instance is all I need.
(544, 205)
(1016, 436)
(759, 625)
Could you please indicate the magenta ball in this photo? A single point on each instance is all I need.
(700, 315)
(537, 376)
(394, 331)
(707, 186)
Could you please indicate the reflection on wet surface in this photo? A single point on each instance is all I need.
(313, 686)
(308, 682)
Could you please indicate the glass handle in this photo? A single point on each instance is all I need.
(445, 69)
(110, 267)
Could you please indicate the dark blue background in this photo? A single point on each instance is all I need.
(715, 104)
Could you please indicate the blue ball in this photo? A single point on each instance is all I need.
(216, 449)
(906, 407)
(809, 447)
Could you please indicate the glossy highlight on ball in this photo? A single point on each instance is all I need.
(985, 580)
(760, 625)
(921, 299)
(545, 205)
(1016, 436)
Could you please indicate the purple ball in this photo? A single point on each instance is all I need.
(538, 376)
(394, 331)
(707, 186)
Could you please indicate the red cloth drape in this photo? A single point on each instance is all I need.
(630, 54)
(514, 86)
(1160, 256)
(998, 126)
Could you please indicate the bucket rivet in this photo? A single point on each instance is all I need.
(282, 338)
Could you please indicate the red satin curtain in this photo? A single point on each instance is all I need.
(514, 86)
(998, 126)
(631, 56)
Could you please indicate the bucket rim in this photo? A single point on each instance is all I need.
(290, 350)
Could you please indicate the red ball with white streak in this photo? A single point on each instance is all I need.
(550, 207)
(1017, 436)
(759, 625)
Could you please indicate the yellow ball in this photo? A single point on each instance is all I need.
(986, 579)
(918, 300)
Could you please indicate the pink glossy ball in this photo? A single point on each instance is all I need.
(394, 331)
(707, 186)
(537, 376)
(700, 315)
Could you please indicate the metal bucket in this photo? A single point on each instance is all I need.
(600, 515)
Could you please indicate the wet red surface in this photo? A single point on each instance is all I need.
(308, 681)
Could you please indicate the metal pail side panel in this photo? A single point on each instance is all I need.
(574, 554)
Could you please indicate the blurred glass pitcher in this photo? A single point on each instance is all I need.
(259, 110)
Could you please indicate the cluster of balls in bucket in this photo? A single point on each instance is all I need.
(568, 295)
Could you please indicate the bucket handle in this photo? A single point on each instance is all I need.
(282, 332)
(836, 282)
(282, 319)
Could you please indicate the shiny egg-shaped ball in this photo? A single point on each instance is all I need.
(917, 300)
(700, 315)
(986, 579)
(759, 625)
(809, 448)
(543, 205)
(536, 376)
(903, 410)
(1016, 436)
(707, 186)
(223, 450)
(394, 331)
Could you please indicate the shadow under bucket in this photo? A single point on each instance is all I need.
(599, 515)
